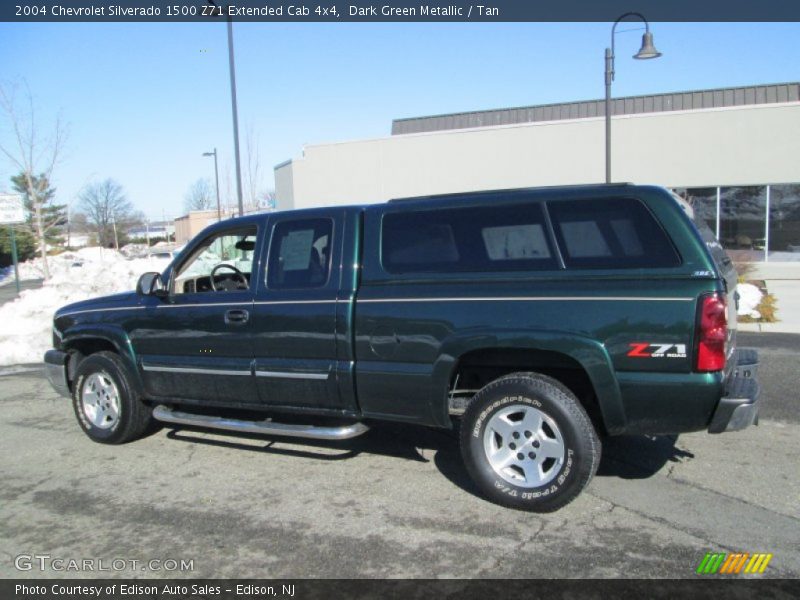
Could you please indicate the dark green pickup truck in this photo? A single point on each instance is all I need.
(540, 320)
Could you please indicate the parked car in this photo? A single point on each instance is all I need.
(540, 321)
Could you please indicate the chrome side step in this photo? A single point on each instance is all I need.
(345, 432)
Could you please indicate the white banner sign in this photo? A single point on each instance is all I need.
(12, 209)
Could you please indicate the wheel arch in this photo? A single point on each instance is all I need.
(562, 355)
(82, 341)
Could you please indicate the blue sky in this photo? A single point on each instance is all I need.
(143, 101)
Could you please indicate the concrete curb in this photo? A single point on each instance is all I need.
(769, 327)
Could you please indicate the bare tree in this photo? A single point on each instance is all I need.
(200, 196)
(34, 155)
(106, 207)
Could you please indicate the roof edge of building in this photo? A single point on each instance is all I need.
(553, 111)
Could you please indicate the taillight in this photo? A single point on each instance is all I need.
(712, 330)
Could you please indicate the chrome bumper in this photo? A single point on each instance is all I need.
(739, 407)
(55, 366)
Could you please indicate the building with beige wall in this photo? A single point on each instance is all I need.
(724, 147)
(189, 225)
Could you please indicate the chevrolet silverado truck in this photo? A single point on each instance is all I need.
(536, 322)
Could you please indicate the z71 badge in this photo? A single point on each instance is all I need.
(657, 350)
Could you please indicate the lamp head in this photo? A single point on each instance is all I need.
(648, 50)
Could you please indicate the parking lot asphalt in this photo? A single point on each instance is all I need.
(393, 503)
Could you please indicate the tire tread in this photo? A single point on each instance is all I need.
(140, 414)
(557, 391)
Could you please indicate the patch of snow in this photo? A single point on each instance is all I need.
(134, 251)
(749, 299)
(78, 240)
(26, 331)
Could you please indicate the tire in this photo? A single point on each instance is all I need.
(106, 403)
(528, 443)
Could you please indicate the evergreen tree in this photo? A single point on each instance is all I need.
(26, 245)
(54, 216)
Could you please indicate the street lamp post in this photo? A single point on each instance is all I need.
(235, 111)
(216, 12)
(216, 180)
(647, 51)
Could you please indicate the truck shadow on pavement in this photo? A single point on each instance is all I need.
(639, 456)
(626, 457)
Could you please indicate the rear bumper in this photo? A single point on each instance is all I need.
(55, 365)
(738, 408)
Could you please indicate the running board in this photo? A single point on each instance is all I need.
(345, 432)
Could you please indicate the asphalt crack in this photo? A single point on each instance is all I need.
(498, 560)
(697, 486)
(692, 533)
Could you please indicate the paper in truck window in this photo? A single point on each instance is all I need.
(296, 250)
(515, 242)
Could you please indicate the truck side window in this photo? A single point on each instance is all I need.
(610, 233)
(300, 254)
(470, 239)
(227, 255)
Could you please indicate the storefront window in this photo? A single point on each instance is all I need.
(742, 221)
(784, 226)
(704, 203)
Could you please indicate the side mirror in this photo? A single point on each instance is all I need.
(150, 284)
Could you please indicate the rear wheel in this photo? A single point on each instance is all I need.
(106, 403)
(528, 443)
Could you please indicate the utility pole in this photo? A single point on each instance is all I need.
(68, 225)
(116, 239)
(14, 257)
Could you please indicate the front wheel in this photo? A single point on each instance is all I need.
(528, 443)
(106, 403)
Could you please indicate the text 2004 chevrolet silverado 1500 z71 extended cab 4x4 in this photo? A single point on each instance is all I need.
(541, 319)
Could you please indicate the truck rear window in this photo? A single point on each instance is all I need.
(502, 238)
(610, 233)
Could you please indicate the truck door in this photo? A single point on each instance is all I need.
(196, 345)
(294, 313)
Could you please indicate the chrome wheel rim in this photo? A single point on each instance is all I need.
(100, 400)
(524, 446)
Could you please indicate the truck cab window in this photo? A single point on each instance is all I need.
(299, 255)
(221, 263)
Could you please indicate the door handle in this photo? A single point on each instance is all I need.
(236, 317)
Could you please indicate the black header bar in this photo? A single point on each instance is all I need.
(399, 11)
(362, 589)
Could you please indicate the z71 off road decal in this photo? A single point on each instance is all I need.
(657, 350)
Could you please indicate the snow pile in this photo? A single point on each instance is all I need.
(26, 323)
(749, 299)
(135, 250)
